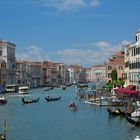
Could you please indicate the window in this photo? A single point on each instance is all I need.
(0, 52)
(136, 39)
(109, 75)
(109, 68)
(120, 67)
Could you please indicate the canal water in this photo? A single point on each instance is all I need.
(54, 121)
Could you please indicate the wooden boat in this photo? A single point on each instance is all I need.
(46, 89)
(134, 117)
(48, 98)
(3, 100)
(63, 87)
(72, 106)
(27, 101)
(116, 112)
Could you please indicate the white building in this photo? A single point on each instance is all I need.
(132, 62)
(88, 74)
(71, 75)
(28, 73)
(98, 73)
(7, 53)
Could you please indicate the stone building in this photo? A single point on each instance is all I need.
(132, 62)
(7, 53)
(115, 62)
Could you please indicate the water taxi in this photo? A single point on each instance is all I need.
(23, 90)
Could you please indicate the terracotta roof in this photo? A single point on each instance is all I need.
(119, 54)
(98, 66)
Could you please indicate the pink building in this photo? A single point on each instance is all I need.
(116, 62)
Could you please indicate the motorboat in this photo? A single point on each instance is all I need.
(23, 90)
(3, 100)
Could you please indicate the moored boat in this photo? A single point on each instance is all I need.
(63, 87)
(134, 117)
(116, 112)
(23, 90)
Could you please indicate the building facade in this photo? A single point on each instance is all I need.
(116, 62)
(88, 74)
(98, 73)
(7, 54)
(28, 73)
(132, 62)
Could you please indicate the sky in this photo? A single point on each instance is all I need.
(85, 32)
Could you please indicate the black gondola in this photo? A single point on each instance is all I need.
(27, 101)
(133, 120)
(52, 98)
(63, 87)
(116, 112)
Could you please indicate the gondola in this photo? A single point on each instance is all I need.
(133, 121)
(48, 98)
(134, 117)
(63, 87)
(116, 112)
(27, 101)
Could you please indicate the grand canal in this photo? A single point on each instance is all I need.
(54, 121)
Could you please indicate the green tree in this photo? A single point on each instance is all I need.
(114, 75)
(120, 81)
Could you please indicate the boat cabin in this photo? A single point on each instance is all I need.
(11, 88)
(23, 90)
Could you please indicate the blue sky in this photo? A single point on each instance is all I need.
(82, 32)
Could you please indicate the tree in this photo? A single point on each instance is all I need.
(121, 81)
(114, 75)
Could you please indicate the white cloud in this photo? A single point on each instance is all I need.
(86, 54)
(33, 53)
(91, 53)
(68, 4)
(94, 3)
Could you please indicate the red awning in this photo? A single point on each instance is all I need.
(129, 90)
(131, 87)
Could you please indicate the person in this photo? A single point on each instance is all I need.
(73, 104)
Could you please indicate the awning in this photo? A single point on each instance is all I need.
(131, 87)
(129, 90)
